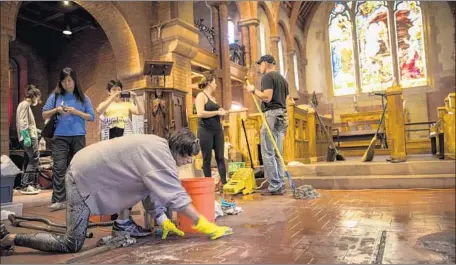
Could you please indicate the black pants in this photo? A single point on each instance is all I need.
(115, 132)
(77, 221)
(63, 150)
(32, 156)
(212, 140)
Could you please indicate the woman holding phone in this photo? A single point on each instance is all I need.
(210, 129)
(116, 113)
(73, 109)
(115, 109)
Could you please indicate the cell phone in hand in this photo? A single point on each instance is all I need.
(63, 106)
(125, 94)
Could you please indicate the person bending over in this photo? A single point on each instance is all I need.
(120, 111)
(99, 176)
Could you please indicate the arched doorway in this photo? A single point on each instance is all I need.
(98, 58)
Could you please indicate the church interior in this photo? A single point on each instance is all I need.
(375, 77)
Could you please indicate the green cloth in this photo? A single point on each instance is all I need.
(26, 136)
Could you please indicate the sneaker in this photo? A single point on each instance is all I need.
(57, 206)
(29, 190)
(129, 228)
(280, 191)
(3, 234)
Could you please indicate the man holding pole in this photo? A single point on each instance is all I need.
(273, 95)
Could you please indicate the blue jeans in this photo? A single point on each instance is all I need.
(278, 123)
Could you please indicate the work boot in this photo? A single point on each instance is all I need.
(130, 228)
(5, 248)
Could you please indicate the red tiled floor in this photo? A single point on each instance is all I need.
(339, 227)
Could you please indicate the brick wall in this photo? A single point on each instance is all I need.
(33, 69)
(200, 10)
(95, 64)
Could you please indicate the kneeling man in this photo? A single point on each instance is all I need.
(109, 176)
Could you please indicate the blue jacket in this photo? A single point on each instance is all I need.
(70, 124)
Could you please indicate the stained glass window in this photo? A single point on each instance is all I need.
(342, 55)
(374, 69)
(408, 21)
(374, 48)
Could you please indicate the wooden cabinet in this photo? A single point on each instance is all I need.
(170, 116)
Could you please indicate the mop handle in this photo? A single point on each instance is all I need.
(268, 129)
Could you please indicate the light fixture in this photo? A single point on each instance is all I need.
(67, 31)
(66, 3)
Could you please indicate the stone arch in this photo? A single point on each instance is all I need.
(272, 24)
(288, 38)
(294, 16)
(116, 29)
(22, 66)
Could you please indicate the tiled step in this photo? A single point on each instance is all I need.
(349, 168)
(432, 181)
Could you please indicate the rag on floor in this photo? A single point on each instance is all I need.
(226, 208)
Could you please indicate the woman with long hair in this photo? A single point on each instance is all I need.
(210, 129)
(28, 136)
(73, 109)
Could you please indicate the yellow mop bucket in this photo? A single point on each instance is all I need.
(242, 180)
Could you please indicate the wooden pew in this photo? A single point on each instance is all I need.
(304, 141)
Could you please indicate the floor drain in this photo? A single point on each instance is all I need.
(380, 249)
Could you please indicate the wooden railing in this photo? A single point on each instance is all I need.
(305, 140)
(446, 125)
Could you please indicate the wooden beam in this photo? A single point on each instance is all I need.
(39, 23)
(52, 17)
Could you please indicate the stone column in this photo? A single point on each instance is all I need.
(4, 131)
(246, 43)
(274, 47)
(249, 33)
(253, 41)
(225, 54)
(216, 25)
(396, 120)
(178, 42)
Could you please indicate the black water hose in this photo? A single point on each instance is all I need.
(50, 223)
(18, 221)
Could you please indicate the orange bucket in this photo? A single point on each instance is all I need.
(201, 190)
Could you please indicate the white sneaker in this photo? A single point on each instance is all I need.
(57, 206)
(30, 190)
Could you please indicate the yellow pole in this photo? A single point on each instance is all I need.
(269, 130)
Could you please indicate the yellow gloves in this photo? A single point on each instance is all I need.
(212, 230)
(169, 226)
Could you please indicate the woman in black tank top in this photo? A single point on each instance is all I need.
(210, 130)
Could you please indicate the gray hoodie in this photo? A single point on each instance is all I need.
(118, 173)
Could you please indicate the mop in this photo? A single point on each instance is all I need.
(265, 123)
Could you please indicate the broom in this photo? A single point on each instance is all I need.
(370, 152)
(338, 156)
(292, 185)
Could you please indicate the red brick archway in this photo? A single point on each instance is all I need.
(113, 24)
